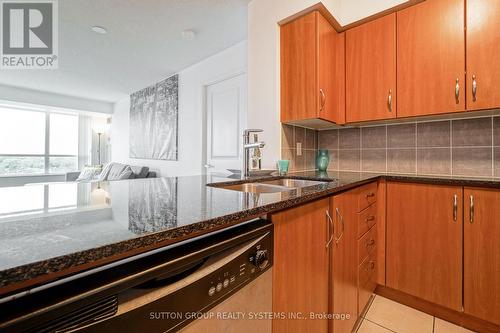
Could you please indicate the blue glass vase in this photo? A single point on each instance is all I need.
(322, 160)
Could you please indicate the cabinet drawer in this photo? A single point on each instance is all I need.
(367, 195)
(367, 244)
(367, 219)
(367, 270)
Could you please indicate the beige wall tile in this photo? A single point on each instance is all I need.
(287, 136)
(472, 162)
(300, 136)
(496, 131)
(401, 136)
(328, 139)
(434, 161)
(349, 159)
(373, 160)
(398, 317)
(441, 326)
(334, 160)
(401, 160)
(310, 159)
(472, 132)
(311, 139)
(496, 165)
(434, 134)
(373, 137)
(350, 138)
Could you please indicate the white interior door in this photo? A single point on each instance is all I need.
(226, 118)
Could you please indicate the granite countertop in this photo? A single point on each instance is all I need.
(63, 228)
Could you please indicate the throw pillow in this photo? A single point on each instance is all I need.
(89, 172)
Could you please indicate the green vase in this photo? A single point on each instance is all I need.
(322, 160)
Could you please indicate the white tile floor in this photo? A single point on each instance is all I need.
(386, 316)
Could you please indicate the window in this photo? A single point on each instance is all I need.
(37, 142)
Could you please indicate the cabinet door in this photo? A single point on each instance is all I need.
(331, 73)
(300, 270)
(371, 70)
(483, 47)
(344, 261)
(431, 58)
(299, 82)
(424, 242)
(482, 254)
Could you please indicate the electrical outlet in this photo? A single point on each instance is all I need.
(299, 148)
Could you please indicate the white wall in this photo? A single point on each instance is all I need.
(263, 58)
(192, 82)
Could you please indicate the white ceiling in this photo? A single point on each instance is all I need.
(143, 45)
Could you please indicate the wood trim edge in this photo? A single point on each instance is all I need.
(452, 316)
(336, 25)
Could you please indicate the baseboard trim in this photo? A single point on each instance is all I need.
(455, 317)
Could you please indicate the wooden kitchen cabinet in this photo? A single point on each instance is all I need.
(344, 261)
(371, 70)
(301, 266)
(482, 254)
(483, 47)
(424, 242)
(431, 57)
(312, 71)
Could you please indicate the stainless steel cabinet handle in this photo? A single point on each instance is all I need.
(370, 195)
(389, 100)
(330, 227)
(474, 88)
(323, 100)
(457, 91)
(341, 219)
(455, 208)
(370, 242)
(472, 209)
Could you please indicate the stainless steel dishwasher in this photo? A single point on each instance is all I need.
(214, 283)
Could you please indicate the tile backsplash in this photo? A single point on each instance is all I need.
(464, 147)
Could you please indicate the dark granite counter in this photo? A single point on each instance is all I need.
(51, 231)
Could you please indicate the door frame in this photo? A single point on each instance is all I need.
(205, 84)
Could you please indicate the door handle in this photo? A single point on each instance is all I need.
(389, 100)
(341, 219)
(471, 209)
(474, 88)
(455, 207)
(209, 166)
(330, 227)
(457, 91)
(323, 100)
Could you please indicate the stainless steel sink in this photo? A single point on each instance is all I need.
(293, 183)
(272, 186)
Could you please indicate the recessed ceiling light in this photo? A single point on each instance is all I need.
(99, 30)
(188, 34)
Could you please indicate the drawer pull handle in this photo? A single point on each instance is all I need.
(370, 242)
(341, 219)
(472, 209)
(370, 218)
(372, 265)
(370, 195)
(323, 100)
(457, 91)
(474, 88)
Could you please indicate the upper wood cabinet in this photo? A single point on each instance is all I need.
(371, 70)
(301, 266)
(424, 242)
(431, 58)
(312, 71)
(483, 48)
(482, 254)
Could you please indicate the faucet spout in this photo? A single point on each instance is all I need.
(246, 149)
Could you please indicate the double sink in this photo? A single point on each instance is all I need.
(271, 186)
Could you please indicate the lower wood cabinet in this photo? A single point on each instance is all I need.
(482, 254)
(344, 259)
(424, 242)
(301, 266)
